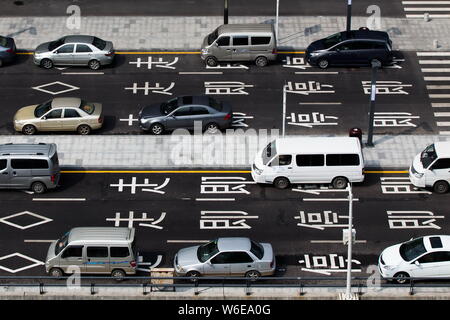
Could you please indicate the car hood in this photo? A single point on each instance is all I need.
(151, 111)
(315, 46)
(25, 113)
(188, 256)
(43, 47)
(391, 256)
(51, 251)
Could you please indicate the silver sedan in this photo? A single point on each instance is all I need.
(76, 50)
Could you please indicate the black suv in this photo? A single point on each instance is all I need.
(353, 48)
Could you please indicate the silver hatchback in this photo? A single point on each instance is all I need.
(75, 50)
(226, 257)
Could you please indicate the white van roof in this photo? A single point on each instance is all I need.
(317, 145)
(101, 235)
(442, 149)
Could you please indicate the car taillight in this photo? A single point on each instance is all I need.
(109, 53)
(52, 178)
(10, 50)
(133, 264)
(100, 119)
(227, 117)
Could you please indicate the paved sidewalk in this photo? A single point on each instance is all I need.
(176, 152)
(187, 33)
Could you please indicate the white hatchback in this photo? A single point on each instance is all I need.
(425, 257)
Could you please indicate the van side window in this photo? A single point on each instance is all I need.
(260, 40)
(73, 252)
(97, 252)
(282, 160)
(223, 41)
(342, 160)
(240, 41)
(3, 164)
(442, 164)
(310, 160)
(119, 252)
(29, 164)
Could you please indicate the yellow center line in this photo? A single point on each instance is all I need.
(172, 52)
(191, 171)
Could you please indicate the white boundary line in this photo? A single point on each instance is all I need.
(59, 199)
(188, 241)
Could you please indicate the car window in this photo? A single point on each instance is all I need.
(3, 163)
(3, 41)
(29, 164)
(310, 160)
(428, 156)
(240, 41)
(73, 252)
(97, 252)
(183, 111)
(55, 44)
(443, 163)
(213, 36)
(379, 45)
(43, 108)
(207, 250)
(260, 40)
(199, 111)
(343, 46)
(440, 256)
(223, 41)
(119, 252)
(282, 160)
(169, 106)
(240, 257)
(83, 48)
(412, 249)
(87, 107)
(54, 114)
(342, 160)
(224, 257)
(361, 45)
(99, 43)
(68, 48)
(71, 113)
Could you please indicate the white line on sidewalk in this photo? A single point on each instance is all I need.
(215, 199)
(187, 241)
(38, 241)
(336, 241)
(204, 72)
(59, 199)
(442, 114)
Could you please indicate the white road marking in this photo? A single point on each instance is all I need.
(444, 132)
(328, 199)
(438, 87)
(215, 199)
(318, 72)
(203, 72)
(442, 114)
(436, 78)
(425, 2)
(188, 241)
(83, 73)
(427, 9)
(420, 16)
(336, 241)
(435, 70)
(434, 61)
(443, 124)
(439, 96)
(38, 241)
(320, 103)
(433, 54)
(440, 105)
(59, 199)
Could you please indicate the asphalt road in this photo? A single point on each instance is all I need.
(182, 211)
(389, 8)
(318, 102)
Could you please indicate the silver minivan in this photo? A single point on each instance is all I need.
(29, 166)
(93, 250)
(240, 42)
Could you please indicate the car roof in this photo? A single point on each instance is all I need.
(442, 149)
(246, 28)
(366, 34)
(317, 145)
(200, 100)
(45, 149)
(66, 102)
(78, 39)
(101, 234)
(233, 244)
(444, 239)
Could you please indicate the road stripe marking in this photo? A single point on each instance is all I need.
(444, 132)
(439, 96)
(420, 16)
(374, 171)
(443, 124)
(328, 199)
(436, 78)
(59, 199)
(188, 241)
(442, 114)
(425, 2)
(203, 72)
(37, 241)
(427, 9)
(440, 105)
(83, 73)
(439, 87)
(189, 171)
(336, 241)
(433, 53)
(434, 61)
(215, 199)
(320, 103)
(435, 70)
(318, 72)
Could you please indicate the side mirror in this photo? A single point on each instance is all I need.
(417, 263)
(208, 262)
(44, 118)
(216, 44)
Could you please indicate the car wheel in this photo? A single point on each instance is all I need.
(46, 64)
(84, 129)
(38, 187)
(118, 274)
(323, 64)
(212, 127)
(211, 61)
(253, 275)
(261, 61)
(339, 183)
(56, 272)
(281, 183)
(401, 277)
(94, 64)
(375, 61)
(441, 187)
(194, 275)
(157, 128)
(29, 129)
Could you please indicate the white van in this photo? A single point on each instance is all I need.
(305, 160)
(431, 167)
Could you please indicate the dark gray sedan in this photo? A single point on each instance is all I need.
(7, 50)
(183, 112)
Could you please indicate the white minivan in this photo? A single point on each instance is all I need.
(431, 167)
(310, 160)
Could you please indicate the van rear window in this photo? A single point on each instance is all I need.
(3, 164)
(119, 252)
(342, 160)
(97, 252)
(260, 40)
(29, 164)
(310, 160)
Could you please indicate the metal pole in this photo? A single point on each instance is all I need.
(350, 240)
(373, 93)
(276, 23)
(225, 12)
(284, 110)
(349, 15)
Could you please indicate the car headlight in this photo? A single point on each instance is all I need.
(388, 267)
(313, 54)
(257, 170)
(418, 175)
(205, 51)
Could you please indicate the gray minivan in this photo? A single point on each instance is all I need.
(93, 250)
(240, 42)
(29, 166)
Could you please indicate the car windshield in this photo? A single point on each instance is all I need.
(87, 107)
(257, 250)
(412, 249)
(99, 43)
(428, 156)
(213, 103)
(269, 152)
(55, 44)
(332, 40)
(169, 106)
(3, 41)
(213, 36)
(61, 243)
(42, 109)
(206, 251)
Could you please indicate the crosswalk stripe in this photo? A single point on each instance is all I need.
(434, 61)
(438, 87)
(420, 16)
(439, 96)
(432, 54)
(436, 78)
(427, 9)
(443, 124)
(436, 70)
(425, 2)
(442, 114)
(440, 105)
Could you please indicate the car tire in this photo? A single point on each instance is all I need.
(339, 183)
(47, 64)
(157, 129)
(281, 183)
(38, 187)
(261, 61)
(118, 274)
(194, 275)
(29, 129)
(252, 275)
(401, 277)
(323, 64)
(211, 61)
(55, 272)
(441, 187)
(212, 127)
(377, 61)
(94, 64)
(84, 130)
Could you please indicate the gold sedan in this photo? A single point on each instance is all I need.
(59, 114)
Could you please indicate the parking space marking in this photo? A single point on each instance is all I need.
(188, 241)
(336, 241)
(37, 241)
(59, 199)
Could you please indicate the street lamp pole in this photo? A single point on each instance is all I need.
(348, 291)
(276, 22)
(349, 15)
(225, 12)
